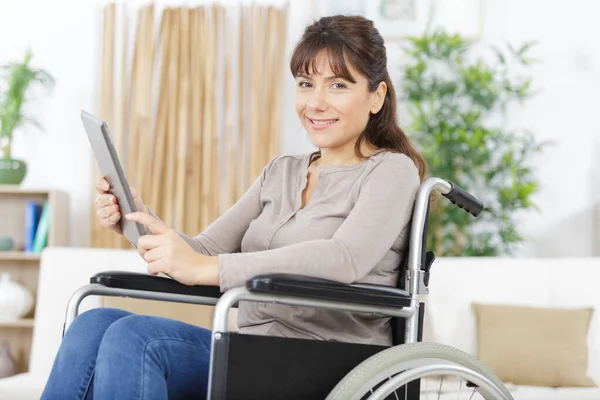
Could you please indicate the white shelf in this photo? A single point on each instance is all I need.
(20, 323)
(22, 266)
(16, 189)
(18, 256)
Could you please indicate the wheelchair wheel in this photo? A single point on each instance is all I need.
(383, 373)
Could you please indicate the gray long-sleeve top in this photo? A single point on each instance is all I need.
(354, 228)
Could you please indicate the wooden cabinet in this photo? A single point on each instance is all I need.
(23, 267)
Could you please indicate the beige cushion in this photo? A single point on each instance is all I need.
(534, 346)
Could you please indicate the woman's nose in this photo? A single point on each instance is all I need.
(316, 102)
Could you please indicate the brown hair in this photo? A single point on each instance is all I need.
(356, 39)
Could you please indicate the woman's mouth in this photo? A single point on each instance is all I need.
(322, 123)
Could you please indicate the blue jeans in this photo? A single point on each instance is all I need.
(111, 354)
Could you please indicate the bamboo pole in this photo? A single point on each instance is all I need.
(123, 110)
(197, 82)
(136, 73)
(257, 58)
(215, 185)
(275, 117)
(172, 118)
(183, 128)
(229, 116)
(106, 98)
(242, 68)
(145, 112)
(267, 108)
(217, 116)
(207, 145)
(124, 106)
(160, 137)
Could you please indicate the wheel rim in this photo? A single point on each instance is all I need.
(487, 389)
(374, 372)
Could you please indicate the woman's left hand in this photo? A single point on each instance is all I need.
(167, 252)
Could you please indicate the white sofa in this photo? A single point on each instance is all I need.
(554, 282)
(62, 272)
(455, 283)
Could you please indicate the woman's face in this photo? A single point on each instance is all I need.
(334, 111)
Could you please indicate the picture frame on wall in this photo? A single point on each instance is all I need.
(398, 19)
(322, 8)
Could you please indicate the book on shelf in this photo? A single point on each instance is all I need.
(40, 238)
(33, 211)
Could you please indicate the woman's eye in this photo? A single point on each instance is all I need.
(304, 84)
(339, 85)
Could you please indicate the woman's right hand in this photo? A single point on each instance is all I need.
(107, 208)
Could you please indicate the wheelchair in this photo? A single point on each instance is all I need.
(261, 367)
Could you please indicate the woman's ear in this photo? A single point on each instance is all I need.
(378, 97)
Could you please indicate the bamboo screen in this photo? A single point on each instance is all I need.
(193, 102)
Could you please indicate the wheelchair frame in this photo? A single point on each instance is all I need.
(415, 282)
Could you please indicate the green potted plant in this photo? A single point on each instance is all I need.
(456, 98)
(20, 78)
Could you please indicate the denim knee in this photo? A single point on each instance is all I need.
(94, 321)
(126, 334)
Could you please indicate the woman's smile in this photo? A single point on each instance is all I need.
(321, 123)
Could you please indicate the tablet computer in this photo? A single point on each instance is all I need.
(111, 169)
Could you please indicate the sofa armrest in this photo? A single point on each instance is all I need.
(149, 283)
(315, 288)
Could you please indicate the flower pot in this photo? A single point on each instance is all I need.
(12, 172)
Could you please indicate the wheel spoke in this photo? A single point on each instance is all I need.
(473, 394)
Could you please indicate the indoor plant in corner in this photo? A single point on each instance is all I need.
(457, 96)
(19, 78)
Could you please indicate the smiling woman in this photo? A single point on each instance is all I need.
(345, 97)
(342, 213)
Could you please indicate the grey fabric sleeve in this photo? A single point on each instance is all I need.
(383, 208)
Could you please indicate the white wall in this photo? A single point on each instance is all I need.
(64, 38)
(64, 35)
(565, 112)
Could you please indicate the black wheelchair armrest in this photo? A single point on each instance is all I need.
(315, 288)
(149, 283)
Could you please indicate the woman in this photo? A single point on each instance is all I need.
(342, 213)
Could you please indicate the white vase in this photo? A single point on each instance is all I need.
(15, 300)
(8, 365)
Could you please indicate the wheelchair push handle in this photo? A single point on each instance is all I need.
(464, 200)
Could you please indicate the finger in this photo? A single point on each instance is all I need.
(105, 200)
(149, 242)
(107, 211)
(110, 221)
(155, 226)
(156, 267)
(152, 255)
(102, 185)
